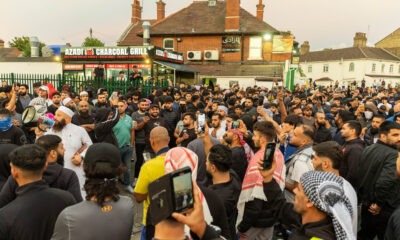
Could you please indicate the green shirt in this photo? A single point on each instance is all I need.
(122, 131)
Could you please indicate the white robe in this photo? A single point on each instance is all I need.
(73, 137)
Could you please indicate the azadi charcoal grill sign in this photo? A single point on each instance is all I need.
(231, 44)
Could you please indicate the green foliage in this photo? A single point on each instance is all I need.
(22, 44)
(92, 42)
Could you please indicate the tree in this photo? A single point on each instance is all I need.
(92, 42)
(23, 44)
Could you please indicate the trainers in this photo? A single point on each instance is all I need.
(129, 189)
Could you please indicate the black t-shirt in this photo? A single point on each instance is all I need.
(14, 135)
(239, 161)
(147, 129)
(52, 109)
(192, 136)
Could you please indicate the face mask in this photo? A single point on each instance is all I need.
(5, 124)
(368, 114)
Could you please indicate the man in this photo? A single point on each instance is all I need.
(135, 76)
(22, 218)
(341, 117)
(124, 132)
(249, 106)
(43, 100)
(99, 71)
(379, 187)
(101, 102)
(151, 170)
(300, 161)
(188, 133)
(234, 139)
(24, 97)
(352, 150)
(140, 143)
(121, 76)
(9, 133)
(255, 216)
(307, 116)
(327, 157)
(84, 119)
(314, 214)
(217, 131)
(75, 140)
(55, 175)
(223, 182)
(150, 122)
(69, 103)
(171, 117)
(177, 98)
(322, 133)
(56, 99)
(288, 125)
(371, 135)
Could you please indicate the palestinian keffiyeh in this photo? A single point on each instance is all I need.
(334, 196)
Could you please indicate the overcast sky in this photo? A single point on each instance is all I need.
(325, 23)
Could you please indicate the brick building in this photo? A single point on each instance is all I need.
(219, 38)
(391, 42)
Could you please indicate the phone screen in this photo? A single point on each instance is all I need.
(183, 191)
(201, 120)
(235, 124)
(269, 155)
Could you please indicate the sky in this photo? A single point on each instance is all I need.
(324, 23)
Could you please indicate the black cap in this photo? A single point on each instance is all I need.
(104, 154)
(154, 105)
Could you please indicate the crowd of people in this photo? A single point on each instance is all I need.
(65, 159)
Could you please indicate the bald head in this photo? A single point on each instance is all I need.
(159, 138)
(83, 107)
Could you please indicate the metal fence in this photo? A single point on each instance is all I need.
(77, 84)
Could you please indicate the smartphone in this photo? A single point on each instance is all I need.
(201, 121)
(269, 155)
(235, 124)
(170, 193)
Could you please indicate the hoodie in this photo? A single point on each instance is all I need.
(352, 159)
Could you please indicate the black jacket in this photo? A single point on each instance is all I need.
(33, 214)
(352, 160)
(55, 175)
(322, 134)
(393, 226)
(378, 181)
(171, 118)
(285, 214)
(5, 169)
(103, 128)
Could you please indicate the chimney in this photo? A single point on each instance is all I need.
(360, 40)
(305, 48)
(136, 12)
(68, 44)
(146, 33)
(260, 10)
(1, 43)
(232, 18)
(160, 10)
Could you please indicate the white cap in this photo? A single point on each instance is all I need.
(66, 101)
(45, 88)
(66, 110)
(83, 93)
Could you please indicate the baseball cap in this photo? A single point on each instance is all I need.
(104, 154)
(154, 106)
(45, 88)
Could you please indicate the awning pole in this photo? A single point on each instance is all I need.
(174, 77)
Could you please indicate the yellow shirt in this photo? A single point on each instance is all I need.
(150, 171)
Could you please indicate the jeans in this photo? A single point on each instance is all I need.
(126, 157)
(139, 157)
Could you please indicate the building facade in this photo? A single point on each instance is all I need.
(391, 42)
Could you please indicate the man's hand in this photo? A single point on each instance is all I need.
(194, 218)
(76, 160)
(280, 96)
(185, 136)
(15, 122)
(374, 209)
(146, 119)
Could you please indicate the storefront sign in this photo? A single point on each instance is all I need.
(117, 66)
(73, 67)
(140, 66)
(282, 44)
(168, 56)
(101, 53)
(231, 44)
(91, 65)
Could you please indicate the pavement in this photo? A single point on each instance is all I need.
(137, 214)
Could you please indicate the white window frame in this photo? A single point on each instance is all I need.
(373, 69)
(309, 69)
(351, 67)
(173, 44)
(255, 48)
(325, 68)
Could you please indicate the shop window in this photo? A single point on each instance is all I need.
(374, 67)
(169, 44)
(310, 68)
(391, 68)
(326, 68)
(255, 48)
(351, 67)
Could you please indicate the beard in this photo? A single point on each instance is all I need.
(22, 93)
(374, 130)
(58, 126)
(228, 140)
(186, 125)
(60, 159)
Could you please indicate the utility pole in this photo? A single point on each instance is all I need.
(91, 33)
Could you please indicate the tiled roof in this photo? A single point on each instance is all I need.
(199, 18)
(348, 53)
(130, 37)
(10, 52)
(269, 70)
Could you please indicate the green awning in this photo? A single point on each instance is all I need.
(177, 67)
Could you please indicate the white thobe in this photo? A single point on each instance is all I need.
(73, 138)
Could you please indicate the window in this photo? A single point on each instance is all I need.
(326, 68)
(169, 44)
(399, 69)
(351, 67)
(391, 68)
(373, 67)
(383, 68)
(255, 48)
(309, 68)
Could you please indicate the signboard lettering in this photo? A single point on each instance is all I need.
(99, 53)
(231, 44)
